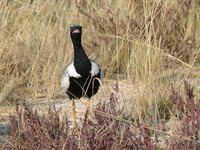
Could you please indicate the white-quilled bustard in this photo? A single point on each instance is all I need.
(82, 77)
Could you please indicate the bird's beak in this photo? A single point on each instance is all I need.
(76, 31)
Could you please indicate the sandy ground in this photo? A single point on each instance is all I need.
(64, 105)
(128, 91)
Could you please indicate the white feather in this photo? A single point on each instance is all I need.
(72, 71)
(94, 68)
(65, 82)
(68, 72)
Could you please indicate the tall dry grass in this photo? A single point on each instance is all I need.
(140, 40)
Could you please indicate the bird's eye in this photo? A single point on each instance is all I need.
(76, 31)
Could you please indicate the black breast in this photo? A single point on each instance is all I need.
(84, 86)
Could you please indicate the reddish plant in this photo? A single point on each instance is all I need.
(106, 130)
(188, 111)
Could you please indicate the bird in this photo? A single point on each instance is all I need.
(82, 77)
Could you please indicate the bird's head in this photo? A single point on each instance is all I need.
(75, 33)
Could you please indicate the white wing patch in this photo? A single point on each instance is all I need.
(94, 68)
(68, 72)
(72, 71)
(65, 82)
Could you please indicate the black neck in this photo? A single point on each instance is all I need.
(81, 61)
(79, 53)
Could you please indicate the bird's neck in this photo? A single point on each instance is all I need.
(81, 61)
(79, 53)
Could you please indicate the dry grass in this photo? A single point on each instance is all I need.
(108, 128)
(150, 44)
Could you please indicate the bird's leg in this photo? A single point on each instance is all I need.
(74, 113)
(87, 110)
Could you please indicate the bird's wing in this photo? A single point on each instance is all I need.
(95, 69)
(69, 71)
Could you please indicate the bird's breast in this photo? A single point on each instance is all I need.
(82, 68)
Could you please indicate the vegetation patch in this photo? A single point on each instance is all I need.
(107, 128)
